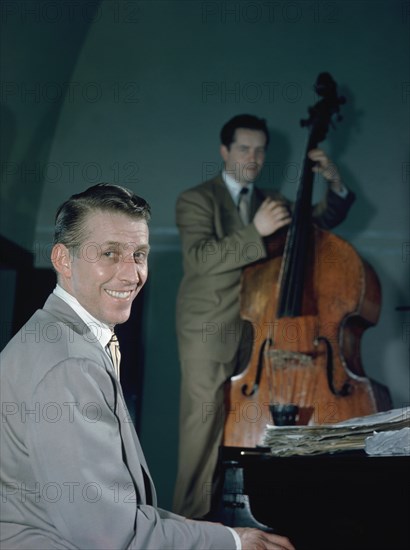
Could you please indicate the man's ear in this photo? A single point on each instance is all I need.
(61, 260)
(224, 152)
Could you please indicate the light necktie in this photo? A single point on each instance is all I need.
(243, 205)
(114, 348)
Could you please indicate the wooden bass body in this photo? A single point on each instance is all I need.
(311, 360)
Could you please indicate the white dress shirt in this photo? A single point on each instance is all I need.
(235, 188)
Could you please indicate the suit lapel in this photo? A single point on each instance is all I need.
(134, 455)
(230, 217)
(133, 451)
(222, 193)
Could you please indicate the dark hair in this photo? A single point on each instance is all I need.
(71, 217)
(250, 122)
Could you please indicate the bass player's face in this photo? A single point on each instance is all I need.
(245, 156)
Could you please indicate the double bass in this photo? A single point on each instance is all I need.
(308, 303)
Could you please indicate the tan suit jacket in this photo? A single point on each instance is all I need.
(73, 474)
(216, 246)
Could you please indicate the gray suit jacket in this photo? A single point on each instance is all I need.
(72, 473)
(216, 246)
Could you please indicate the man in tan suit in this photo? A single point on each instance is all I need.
(72, 471)
(218, 241)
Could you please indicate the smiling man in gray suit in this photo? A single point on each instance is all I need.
(73, 474)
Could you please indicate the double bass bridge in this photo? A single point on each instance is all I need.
(289, 377)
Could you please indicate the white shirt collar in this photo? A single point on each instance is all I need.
(101, 331)
(234, 187)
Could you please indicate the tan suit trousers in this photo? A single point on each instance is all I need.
(202, 418)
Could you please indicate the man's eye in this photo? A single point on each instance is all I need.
(109, 254)
(140, 256)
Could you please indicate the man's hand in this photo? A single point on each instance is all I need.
(328, 169)
(271, 216)
(253, 539)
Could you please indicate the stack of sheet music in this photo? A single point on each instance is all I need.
(392, 429)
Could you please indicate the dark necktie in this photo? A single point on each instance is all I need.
(243, 205)
(114, 348)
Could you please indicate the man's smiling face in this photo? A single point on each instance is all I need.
(107, 272)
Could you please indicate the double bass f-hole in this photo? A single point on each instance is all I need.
(346, 388)
(245, 392)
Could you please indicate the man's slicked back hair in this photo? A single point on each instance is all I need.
(71, 217)
(248, 122)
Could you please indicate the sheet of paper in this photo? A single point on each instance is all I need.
(329, 438)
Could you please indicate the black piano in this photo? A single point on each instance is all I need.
(334, 501)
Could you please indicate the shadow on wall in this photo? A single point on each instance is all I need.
(38, 56)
